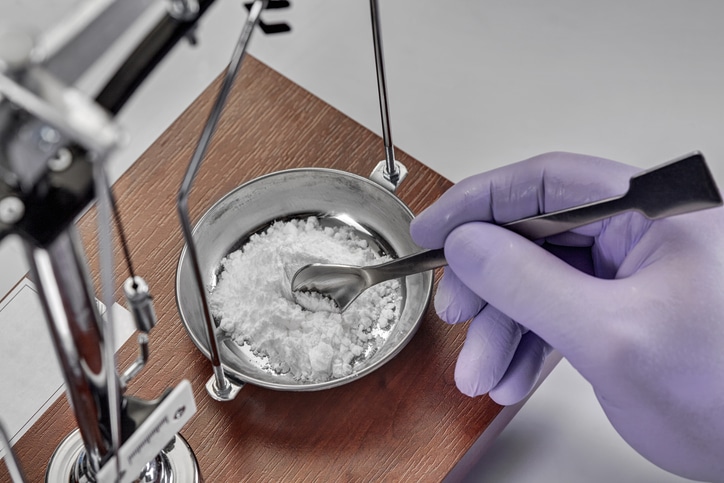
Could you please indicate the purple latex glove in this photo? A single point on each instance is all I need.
(636, 306)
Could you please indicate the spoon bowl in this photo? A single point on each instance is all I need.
(342, 284)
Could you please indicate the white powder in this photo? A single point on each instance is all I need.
(254, 304)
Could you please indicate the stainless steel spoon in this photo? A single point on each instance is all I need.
(680, 186)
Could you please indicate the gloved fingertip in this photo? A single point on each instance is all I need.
(523, 372)
(425, 235)
(477, 370)
(470, 384)
(487, 352)
(508, 395)
(446, 313)
(454, 302)
(455, 311)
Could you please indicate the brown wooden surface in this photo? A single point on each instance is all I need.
(404, 422)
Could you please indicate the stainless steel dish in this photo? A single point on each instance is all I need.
(337, 198)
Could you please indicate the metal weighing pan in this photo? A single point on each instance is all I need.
(337, 198)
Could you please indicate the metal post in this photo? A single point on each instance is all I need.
(74, 323)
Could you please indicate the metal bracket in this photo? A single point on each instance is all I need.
(381, 175)
(223, 394)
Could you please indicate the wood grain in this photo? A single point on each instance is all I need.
(404, 422)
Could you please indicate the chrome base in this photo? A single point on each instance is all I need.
(175, 463)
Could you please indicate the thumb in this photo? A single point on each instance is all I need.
(528, 284)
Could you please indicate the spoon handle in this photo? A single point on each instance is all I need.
(533, 227)
(400, 267)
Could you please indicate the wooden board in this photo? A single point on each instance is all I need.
(404, 422)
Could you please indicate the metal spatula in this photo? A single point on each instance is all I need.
(680, 186)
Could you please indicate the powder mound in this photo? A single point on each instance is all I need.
(254, 304)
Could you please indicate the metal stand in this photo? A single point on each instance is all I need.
(176, 463)
(53, 140)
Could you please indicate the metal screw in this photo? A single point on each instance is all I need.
(61, 161)
(12, 210)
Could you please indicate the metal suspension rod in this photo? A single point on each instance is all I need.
(392, 171)
(221, 389)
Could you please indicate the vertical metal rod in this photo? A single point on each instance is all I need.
(392, 171)
(60, 274)
(105, 257)
(222, 385)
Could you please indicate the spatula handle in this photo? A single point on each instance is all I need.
(533, 228)
(556, 222)
(697, 191)
(415, 263)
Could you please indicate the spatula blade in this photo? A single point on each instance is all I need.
(680, 186)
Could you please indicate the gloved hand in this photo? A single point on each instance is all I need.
(636, 306)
